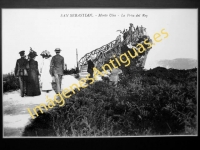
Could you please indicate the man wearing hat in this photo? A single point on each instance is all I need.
(21, 72)
(57, 69)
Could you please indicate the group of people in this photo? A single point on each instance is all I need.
(29, 75)
(133, 34)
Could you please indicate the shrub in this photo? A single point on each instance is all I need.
(71, 71)
(142, 104)
(10, 82)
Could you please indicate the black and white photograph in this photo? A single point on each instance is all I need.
(99, 72)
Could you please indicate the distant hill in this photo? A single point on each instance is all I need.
(179, 63)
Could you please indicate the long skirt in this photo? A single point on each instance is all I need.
(46, 80)
(33, 87)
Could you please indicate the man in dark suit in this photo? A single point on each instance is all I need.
(21, 72)
(57, 67)
(90, 68)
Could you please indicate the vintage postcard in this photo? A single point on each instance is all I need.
(93, 72)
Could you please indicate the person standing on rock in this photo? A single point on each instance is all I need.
(57, 69)
(21, 72)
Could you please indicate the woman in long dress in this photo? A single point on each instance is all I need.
(33, 87)
(46, 78)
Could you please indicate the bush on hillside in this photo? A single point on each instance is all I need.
(71, 71)
(153, 102)
(10, 82)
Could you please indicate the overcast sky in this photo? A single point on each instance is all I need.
(45, 29)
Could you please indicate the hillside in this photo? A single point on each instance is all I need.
(159, 101)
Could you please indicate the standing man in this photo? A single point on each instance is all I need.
(21, 72)
(57, 67)
(90, 68)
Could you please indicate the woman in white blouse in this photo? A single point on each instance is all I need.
(46, 78)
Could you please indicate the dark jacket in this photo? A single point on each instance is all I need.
(20, 65)
(90, 66)
(57, 64)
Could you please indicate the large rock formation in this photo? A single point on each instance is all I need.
(131, 38)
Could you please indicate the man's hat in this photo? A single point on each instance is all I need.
(57, 50)
(22, 53)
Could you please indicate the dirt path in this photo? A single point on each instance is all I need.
(15, 114)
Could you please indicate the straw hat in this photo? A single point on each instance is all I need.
(57, 50)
